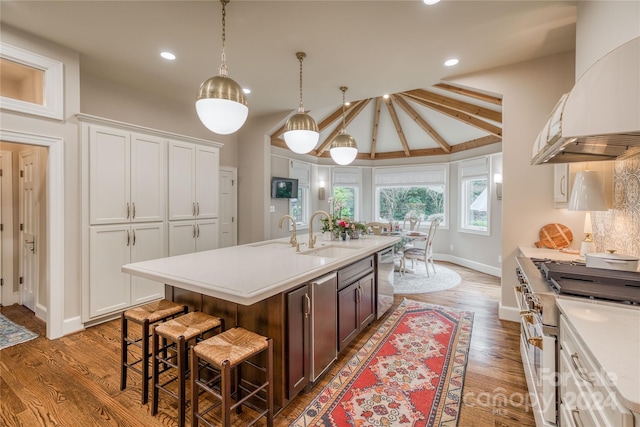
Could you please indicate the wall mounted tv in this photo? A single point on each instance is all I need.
(284, 188)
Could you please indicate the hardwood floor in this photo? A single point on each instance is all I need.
(74, 380)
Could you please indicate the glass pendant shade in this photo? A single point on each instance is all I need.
(221, 105)
(343, 149)
(301, 133)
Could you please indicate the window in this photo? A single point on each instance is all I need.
(299, 208)
(346, 191)
(31, 83)
(474, 189)
(418, 191)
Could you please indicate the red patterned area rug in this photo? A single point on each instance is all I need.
(409, 373)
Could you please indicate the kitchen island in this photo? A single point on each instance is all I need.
(248, 285)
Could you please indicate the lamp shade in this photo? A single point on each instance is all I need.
(587, 193)
(343, 149)
(221, 105)
(301, 133)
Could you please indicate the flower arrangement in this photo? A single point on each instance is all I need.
(339, 225)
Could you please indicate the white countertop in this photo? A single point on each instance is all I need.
(246, 274)
(533, 252)
(611, 332)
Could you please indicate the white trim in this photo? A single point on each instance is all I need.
(511, 314)
(86, 118)
(71, 325)
(483, 268)
(9, 296)
(53, 83)
(55, 224)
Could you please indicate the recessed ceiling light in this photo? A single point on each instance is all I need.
(347, 103)
(246, 90)
(168, 56)
(451, 62)
(385, 96)
(430, 2)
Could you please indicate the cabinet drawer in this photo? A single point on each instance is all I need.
(351, 273)
(581, 374)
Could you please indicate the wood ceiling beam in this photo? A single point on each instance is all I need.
(475, 143)
(350, 113)
(455, 104)
(376, 124)
(396, 123)
(421, 122)
(467, 92)
(465, 118)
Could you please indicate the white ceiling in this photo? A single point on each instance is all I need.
(373, 47)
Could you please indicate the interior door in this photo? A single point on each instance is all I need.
(228, 207)
(28, 212)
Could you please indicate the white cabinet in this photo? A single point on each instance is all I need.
(112, 246)
(192, 236)
(587, 397)
(193, 181)
(561, 185)
(127, 176)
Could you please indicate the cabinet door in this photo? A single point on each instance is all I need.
(182, 237)
(366, 302)
(148, 178)
(109, 175)
(181, 180)
(147, 242)
(347, 315)
(109, 287)
(324, 325)
(297, 352)
(207, 178)
(206, 235)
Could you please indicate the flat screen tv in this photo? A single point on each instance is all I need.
(284, 188)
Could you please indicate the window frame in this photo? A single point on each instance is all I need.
(349, 184)
(53, 90)
(470, 171)
(441, 168)
(302, 172)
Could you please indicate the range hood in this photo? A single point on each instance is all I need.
(600, 118)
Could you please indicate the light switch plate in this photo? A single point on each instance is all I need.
(272, 208)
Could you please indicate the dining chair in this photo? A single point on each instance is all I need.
(377, 228)
(422, 250)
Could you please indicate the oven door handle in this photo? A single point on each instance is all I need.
(535, 341)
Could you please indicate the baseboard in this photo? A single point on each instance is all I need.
(41, 312)
(72, 325)
(508, 313)
(483, 268)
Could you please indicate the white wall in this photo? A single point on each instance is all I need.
(110, 100)
(530, 90)
(67, 131)
(601, 27)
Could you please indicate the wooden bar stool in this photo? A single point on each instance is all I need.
(148, 314)
(177, 334)
(220, 354)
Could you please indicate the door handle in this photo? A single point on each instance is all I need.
(134, 237)
(134, 210)
(307, 311)
(128, 210)
(32, 249)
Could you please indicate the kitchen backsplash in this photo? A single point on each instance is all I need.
(619, 228)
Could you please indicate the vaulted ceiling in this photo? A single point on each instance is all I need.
(379, 47)
(443, 120)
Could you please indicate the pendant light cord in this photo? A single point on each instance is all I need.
(223, 67)
(344, 126)
(300, 56)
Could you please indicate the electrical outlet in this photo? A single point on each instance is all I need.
(500, 258)
(272, 208)
(451, 248)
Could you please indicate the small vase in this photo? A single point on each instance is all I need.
(344, 235)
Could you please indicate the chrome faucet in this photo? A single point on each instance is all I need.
(293, 240)
(312, 240)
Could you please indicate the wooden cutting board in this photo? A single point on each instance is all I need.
(555, 236)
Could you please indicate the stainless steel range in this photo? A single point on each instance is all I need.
(542, 281)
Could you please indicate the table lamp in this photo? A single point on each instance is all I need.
(587, 195)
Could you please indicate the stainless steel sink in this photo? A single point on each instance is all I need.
(330, 251)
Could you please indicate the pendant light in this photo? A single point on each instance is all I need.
(301, 131)
(221, 104)
(343, 148)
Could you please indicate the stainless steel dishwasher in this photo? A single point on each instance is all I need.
(384, 278)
